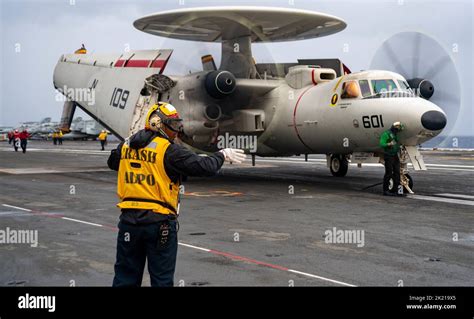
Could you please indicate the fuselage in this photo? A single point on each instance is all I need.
(325, 119)
(319, 118)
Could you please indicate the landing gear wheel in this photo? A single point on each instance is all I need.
(338, 165)
(405, 191)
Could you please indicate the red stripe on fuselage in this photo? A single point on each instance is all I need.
(312, 78)
(119, 63)
(140, 64)
(294, 117)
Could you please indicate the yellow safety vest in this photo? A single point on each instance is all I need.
(142, 179)
(102, 136)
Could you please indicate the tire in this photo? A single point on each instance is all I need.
(338, 165)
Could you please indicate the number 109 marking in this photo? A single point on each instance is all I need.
(119, 98)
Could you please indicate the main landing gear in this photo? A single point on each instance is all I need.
(338, 164)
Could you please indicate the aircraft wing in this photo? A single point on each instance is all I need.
(107, 87)
(255, 87)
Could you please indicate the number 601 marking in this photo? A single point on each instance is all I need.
(374, 121)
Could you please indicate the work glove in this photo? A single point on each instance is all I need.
(392, 143)
(233, 155)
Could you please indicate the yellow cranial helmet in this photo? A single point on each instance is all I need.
(163, 113)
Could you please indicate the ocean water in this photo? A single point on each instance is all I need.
(450, 142)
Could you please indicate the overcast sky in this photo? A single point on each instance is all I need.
(35, 33)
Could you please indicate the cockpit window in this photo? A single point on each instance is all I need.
(387, 88)
(365, 88)
(404, 86)
(382, 86)
(350, 90)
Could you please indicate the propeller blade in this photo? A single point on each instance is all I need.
(416, 53)
(438, 66)
(394, 59)
(425, 58)
(446, 98)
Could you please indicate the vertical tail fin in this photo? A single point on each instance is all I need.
(208, 63)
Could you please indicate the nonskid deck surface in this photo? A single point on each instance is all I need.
(278, 223)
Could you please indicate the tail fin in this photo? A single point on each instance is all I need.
(208, 63)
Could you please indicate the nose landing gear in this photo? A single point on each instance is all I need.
(406, 181)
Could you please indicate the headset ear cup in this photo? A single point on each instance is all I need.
(155, 123)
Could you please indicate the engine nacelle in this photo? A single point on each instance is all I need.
(300, 76)
(219, 84)
(424, 87)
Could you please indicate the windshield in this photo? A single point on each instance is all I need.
(387, 88)
(365, 88)
(376, 88)
(404, 86)
(382, 86)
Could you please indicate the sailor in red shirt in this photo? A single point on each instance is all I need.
(10, 137)
(24, 135)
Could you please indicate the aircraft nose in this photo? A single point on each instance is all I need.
(433, 120)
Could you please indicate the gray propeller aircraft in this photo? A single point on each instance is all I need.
(39, 130)
(314, 106)
(80, 129)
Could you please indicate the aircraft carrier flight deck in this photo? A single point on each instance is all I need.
(266, 225)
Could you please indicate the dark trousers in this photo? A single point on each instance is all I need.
(23, 145)
(392, 170)
(138, 243)
(60, 141)
(55, 141)
(102, 143)
(16, 144)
